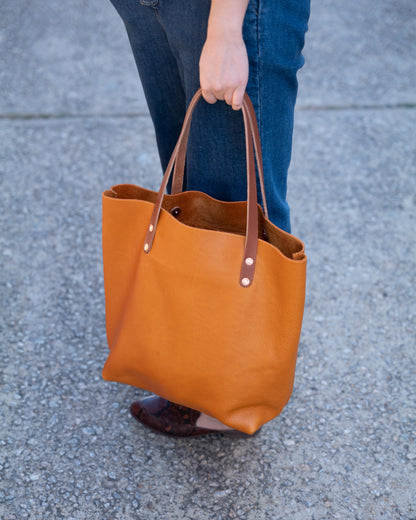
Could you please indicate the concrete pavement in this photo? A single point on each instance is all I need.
(73, 121)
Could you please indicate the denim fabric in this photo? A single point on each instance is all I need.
(167, 37)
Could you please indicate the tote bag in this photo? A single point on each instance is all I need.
(204, 298)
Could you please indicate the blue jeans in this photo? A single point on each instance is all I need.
(167, 37)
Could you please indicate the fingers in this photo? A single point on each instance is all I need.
(228, 97)
(223, 69)
(233, 97)
(209, 96)
(237, 99)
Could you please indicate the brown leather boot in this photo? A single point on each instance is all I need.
(172, 419)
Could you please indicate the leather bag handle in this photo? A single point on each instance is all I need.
(178, 172)
(250, 248)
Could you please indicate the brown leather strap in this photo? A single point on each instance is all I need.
(257, 147)
(250, 249)
(178, 173)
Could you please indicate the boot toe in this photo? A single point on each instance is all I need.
(172, 419)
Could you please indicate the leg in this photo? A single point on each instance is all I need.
(158, 69)
(274, 36)
(167, 39)
(281, 28)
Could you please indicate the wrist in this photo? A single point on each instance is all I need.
(226, 18)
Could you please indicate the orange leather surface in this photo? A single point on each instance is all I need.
(180, 325)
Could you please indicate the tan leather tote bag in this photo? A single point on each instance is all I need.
(204, 298)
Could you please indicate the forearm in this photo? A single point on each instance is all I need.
(226, 17)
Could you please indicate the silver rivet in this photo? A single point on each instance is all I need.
(245, 281)
(151, 228)
(146, 247)
(249, 261)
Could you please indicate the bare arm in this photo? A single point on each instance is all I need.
(223, 66)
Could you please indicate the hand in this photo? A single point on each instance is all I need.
(223, 65)
(223, 70)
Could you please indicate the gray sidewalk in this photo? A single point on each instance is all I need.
(73, 121)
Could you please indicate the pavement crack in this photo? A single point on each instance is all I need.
(31, 116)
(364, 106)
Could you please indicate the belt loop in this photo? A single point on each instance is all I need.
(150, 3)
